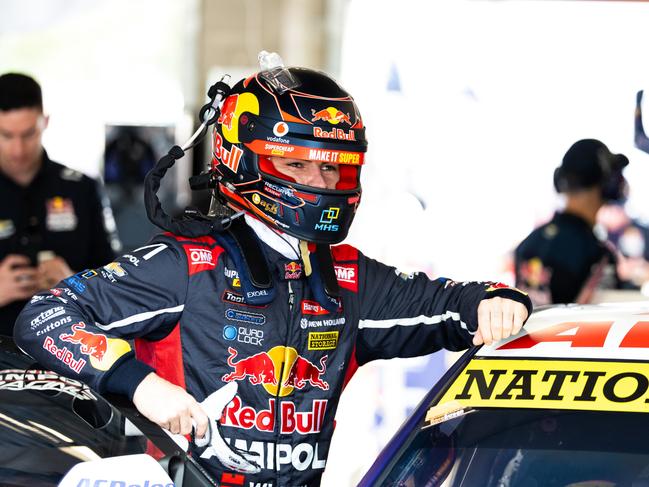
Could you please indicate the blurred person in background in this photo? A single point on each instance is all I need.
(563, 261)
(630, 237)
(53, 220)
(258, 323)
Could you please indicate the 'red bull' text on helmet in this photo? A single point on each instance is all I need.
(294, 113)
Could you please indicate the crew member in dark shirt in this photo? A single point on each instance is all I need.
(53, 220)
(563, 261)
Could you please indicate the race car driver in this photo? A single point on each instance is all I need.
(261, 325)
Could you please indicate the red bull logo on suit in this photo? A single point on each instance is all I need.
(101, 350)
(91, 343)
(264, 368)
(291, 421)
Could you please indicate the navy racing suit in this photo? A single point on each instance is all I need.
(182, 300)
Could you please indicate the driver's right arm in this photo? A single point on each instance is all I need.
(80, 328)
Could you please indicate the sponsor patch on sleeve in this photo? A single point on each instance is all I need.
(201, 258)
(347, 275)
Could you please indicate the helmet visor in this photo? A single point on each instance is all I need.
(340, 177)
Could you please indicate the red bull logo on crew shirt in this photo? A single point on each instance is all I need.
(265, 368)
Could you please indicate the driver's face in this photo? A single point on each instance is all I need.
(21, 132)
(310, 173)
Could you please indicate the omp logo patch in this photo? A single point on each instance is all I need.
(201, 259)
(347, 276)
(201, 256)
(325, 340)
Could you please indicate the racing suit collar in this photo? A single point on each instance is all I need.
(287, 245)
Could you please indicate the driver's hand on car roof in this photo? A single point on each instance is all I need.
(169, 406)
(498, 318)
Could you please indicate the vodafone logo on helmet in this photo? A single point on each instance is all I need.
(280, 129)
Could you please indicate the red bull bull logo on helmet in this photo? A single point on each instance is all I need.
(265, 368)
(332, 115)
(227, 111)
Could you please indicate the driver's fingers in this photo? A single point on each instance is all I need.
(484, 323)
(185, 423)
(174, 425)
(520, 315)
(507, 319)
(477, 338)
(201, 420)
(496, 320)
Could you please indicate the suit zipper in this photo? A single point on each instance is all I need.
(278, 419)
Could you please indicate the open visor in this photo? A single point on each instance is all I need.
(330, 144)
(349, 174)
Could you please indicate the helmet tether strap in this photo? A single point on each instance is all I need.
(253, 255)
(326, 265)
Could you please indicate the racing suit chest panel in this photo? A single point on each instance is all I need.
(289, 363)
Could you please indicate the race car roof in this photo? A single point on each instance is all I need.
(567, 357)
(618, 331)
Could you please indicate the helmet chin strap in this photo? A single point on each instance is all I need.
(324, 264)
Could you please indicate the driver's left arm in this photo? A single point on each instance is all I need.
(412, 315)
